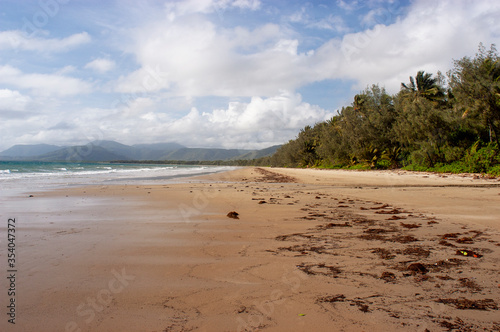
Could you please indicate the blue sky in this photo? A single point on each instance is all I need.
(214, 73)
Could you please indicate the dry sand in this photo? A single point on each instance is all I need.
(312, 250)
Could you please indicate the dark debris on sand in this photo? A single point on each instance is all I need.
(362, 306)
(233, 215)
(320, 269)
(404, 239)
(458, 325)
(405, 254)
(334, 225)
(383, 253)
(273, 177)
(467, 304)
(415, 251)
(388, 276)
(409, 226)
(445, 264)
(331, 298)
(417, 268)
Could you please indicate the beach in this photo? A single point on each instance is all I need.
(304, 250)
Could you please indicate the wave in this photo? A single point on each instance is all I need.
(66, 172)
(46, 174)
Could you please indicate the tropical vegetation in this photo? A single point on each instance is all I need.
(436, 123)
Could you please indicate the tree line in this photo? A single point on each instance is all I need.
(439, 123)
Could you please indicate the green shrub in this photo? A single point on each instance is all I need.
(416, 168)
(360, 166)
(495, 170)
(456, 167)
(384, 164)
(425, 155)
(452, 153)
(482, 159)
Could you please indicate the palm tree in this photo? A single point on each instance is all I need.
(423, 85)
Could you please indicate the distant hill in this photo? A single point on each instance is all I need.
(258, 153)
(111, 150)
(159, 146)
(115, 148)
(155, 151)
(81, 153)
(204, 154)
(25, 150)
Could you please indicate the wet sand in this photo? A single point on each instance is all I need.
(310, 250)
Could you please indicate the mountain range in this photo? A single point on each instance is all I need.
(110, 150)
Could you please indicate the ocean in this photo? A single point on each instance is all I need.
(21, 177)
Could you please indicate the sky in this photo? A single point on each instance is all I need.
(244, 74)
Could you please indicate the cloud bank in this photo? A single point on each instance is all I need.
(199, 59)
(222, 73)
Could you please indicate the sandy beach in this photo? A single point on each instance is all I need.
(310, 250)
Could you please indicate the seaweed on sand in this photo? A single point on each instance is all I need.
(467, 304)
(321, 269)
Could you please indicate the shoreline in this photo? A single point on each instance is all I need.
(311, 249)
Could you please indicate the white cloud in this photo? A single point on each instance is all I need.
(138, 107)
(187, 55)
(43, 84)
(299, 16)
(145, 80)
(246, 4)
(373, 17)
(11, 100)
(66, 70)
(196, 58)
(186, 7)
(349, 5)
(428, 38)
(17, 40)
(192, 57)
(101, 65)
(331, 22)
(257, 124)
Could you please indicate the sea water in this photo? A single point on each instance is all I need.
(26, 176)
